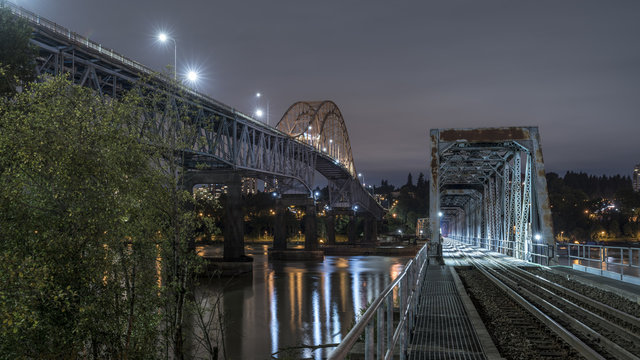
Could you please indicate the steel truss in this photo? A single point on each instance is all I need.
(215, 134)
(321, 125)
(489, 185)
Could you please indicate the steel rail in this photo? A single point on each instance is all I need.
(620, 315)
(558, 329)
(619, 351)
(613, 348)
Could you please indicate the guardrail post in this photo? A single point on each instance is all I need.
(368, 341)
(401, 315)
(389, 321)
(380, 337)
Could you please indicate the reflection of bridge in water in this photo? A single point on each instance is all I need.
(222, 144)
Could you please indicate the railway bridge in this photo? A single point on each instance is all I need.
(488, 188)
(221, 144)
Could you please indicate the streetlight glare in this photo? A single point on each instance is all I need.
(163, 37)
(192, 76)
(259, 113)
(258, 95)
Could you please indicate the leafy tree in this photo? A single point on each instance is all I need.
(78, 231)
(409, 181)
(17, 55)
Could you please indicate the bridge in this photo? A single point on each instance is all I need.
(488, 188)
(224, 145)
(491, 239)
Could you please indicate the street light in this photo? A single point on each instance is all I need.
(192, 76)
(163, 37)
(361, 176)
(259, 111)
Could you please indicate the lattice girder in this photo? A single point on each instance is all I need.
(513, 206)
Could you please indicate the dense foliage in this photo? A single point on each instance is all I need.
(593, 208)
(17, 55)
(77, 227)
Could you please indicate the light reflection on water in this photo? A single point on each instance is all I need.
(286, 304)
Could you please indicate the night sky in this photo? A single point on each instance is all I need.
(397, 69)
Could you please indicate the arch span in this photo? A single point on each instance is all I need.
(321, 125)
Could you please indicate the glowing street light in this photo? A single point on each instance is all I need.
(259, 113)
(439, 213)
(163, 37)
(192, 76)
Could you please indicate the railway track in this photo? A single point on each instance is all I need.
(595, 330)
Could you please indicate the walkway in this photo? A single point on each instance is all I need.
(447, 325)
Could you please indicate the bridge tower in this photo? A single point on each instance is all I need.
(488, 188)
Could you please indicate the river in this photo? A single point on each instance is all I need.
(288, 304)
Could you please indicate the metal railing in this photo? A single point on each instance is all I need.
(377, 323)
(534, 252)
(624, 261)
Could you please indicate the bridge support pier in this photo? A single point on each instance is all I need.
(279, 250)
(279, 229)
(310, 227)
(234, 224)
(351, 229)
(331, 228)
(234, 261)
(370, 230)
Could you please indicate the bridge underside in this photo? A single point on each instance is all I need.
(488, 187)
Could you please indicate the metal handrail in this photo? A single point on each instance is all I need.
(406, 284)
(535, 252)
(600, 257)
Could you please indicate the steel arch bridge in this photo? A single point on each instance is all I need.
(488, 188)
(320, 124)
(219, 136)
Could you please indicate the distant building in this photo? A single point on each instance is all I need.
(635, 178)
(422, 228)
(249, 186)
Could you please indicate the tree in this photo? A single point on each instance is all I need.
(78, 229)
(17, 55)
(409, 181)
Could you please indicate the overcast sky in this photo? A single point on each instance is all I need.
(397, 69)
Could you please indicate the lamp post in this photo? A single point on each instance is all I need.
(163, 37)
(259, 113)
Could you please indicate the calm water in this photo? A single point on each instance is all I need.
(285, 304)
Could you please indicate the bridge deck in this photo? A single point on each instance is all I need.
(447, 326)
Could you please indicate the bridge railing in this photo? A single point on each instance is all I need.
(383, 328)
(621, 263)
(534, 252)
